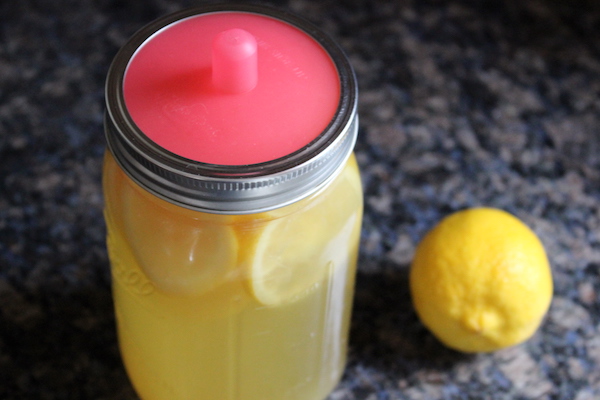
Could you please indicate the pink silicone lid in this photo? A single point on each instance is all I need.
(231, 88)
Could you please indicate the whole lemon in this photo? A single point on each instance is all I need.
(480, 280)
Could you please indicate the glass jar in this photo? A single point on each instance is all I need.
(232, 281)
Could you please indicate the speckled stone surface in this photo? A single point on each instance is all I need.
(462, 103)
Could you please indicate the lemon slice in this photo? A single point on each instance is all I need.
(187, 261)
(285, 265)
(179, 253)
(294, 253)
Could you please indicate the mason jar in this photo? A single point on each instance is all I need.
(233, 205)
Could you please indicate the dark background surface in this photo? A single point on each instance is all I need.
(462, 103)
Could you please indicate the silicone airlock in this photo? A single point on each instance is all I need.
(231, 88)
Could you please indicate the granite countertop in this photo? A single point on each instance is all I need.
(462, 103)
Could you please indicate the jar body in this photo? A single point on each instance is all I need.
(233, 307)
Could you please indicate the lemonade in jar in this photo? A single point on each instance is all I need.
(233, 205)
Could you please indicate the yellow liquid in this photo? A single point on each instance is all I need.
(192, 323)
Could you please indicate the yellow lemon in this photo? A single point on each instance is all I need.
(480, 280)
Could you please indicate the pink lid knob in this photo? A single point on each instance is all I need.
(234, 67)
